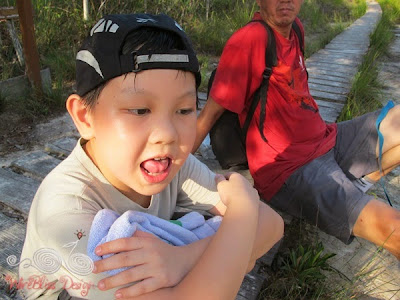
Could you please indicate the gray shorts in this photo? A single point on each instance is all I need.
(322, 191)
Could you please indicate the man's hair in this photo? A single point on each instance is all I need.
(144, 38)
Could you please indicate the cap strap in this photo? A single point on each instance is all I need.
(175, 58)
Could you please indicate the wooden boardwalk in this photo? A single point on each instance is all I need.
(331, 71)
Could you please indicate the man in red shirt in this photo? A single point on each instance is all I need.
(306, 167)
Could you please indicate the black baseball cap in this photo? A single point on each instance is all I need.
(100, 57)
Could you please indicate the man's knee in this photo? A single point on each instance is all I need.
(391, 123)
(380, 224)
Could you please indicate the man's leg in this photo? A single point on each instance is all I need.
(380, 223)
(390, 128)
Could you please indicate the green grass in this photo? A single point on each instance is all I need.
(300, 268)
(366, 90)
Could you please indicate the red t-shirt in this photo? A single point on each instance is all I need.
(293, 127)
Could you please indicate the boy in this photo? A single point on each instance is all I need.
(135, 108)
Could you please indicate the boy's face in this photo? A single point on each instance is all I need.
(144, 127)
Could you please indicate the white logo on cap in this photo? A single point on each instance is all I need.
(143, 20)
(87, 57)
(179, 26)
(104, 26)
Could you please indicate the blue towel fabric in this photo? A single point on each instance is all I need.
(107, 226)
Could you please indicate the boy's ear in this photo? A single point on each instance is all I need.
(81, 116)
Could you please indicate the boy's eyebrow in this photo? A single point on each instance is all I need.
(135, 90)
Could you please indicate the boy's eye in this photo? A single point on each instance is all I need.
(185, 111)
(139, 111)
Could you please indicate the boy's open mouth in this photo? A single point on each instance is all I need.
(156, 169)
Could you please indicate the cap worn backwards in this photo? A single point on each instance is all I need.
(100, 59)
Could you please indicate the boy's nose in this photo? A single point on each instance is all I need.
(164, 131)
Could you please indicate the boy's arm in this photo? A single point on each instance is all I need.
(269, 231)
(221, 268)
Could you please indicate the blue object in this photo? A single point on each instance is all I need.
(381, 139)
(107, 226)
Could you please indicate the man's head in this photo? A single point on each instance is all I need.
(137, 77)
(280, 14)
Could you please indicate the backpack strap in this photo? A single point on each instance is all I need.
(297, 30)
(261, 92)
(270, 62)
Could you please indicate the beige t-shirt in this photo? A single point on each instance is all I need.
(54, 254)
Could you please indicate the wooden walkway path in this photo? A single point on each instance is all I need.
(330, 74)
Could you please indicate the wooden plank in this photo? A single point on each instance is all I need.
(17, 191)
(342, 70)
(329, 89)
(335, 59)
(36, 164)
(15, 41)
(251, 286)
(328, 82)
(12, 235)
(334, 105)
(8, 13)
(61, 147)
(328, 96)
(329, 115)
(329, 71)
(346, 49)
(328, 75)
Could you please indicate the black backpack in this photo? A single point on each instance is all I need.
(228, 139)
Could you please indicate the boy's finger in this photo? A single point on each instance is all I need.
(120, 260)
(128, 276)
(219, 178)
(120, 245)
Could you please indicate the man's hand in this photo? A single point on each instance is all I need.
(156, 264)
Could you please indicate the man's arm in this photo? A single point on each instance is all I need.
(206, 119)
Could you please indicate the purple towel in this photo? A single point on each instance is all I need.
(107, 226)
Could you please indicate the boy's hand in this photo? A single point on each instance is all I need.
(234, 187)
(157, 264)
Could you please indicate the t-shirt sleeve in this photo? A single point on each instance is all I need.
(197, 187)
(240, 65)
(60, 251)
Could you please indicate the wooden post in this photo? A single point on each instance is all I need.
(85, 10)
(207, 8)
(31, 53)
(15, 41)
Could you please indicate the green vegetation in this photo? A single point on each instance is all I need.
(60, 27)
(324, 19)
(301, 266)
(366, 89)
(300, 274)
